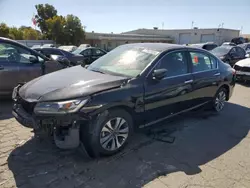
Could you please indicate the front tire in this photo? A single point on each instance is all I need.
(219, 100)
(108, 133)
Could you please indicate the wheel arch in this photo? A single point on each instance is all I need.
(227, 89)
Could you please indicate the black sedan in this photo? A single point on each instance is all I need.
(206, 46)
(133, 86)
(90, 53)
(73, 58)
(229, 54)
(246, 47)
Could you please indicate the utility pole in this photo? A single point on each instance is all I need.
(162, 25)
(192, 25)
(222, 25)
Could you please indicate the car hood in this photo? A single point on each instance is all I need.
(67, 84)
(244, 62)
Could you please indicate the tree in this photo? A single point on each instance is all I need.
(55, 27)
(4, 30)
(73, 30)
(63, 30)
(44, 12)
(15, 33)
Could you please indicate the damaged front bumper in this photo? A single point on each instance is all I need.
(65, 129)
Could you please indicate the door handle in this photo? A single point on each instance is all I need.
(188, 81)
(217, 74)
(1, 67)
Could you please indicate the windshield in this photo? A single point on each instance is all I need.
(221, 50)
(125, 60)
(78, 50)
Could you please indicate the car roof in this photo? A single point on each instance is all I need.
(160, 47)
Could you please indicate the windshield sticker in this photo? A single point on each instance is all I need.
(196, 59)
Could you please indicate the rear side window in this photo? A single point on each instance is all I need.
(240, 51)
(202, 62)
(175, 63)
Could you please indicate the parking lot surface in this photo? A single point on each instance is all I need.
(197, 149)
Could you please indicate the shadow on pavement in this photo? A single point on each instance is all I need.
(5, 109)
(200, 137)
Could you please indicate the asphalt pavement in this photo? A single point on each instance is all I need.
(196, 149)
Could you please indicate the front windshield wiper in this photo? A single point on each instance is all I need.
(97, 71)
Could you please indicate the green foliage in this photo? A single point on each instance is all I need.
(44, 12)
(4, 30)
(22, 33)
(63, 30)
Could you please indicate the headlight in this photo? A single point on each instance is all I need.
(63, 107)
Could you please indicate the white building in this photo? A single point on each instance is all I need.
(192, 36)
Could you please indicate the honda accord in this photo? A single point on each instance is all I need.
(132, 86)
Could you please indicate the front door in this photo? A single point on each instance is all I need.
(206, 76)
(173, 93)
(15, 67)
(87, 53)
(96, 53)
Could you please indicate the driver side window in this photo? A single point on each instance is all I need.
(175, 63)
(14, 54)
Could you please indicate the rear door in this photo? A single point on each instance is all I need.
(206, 76)
(171, 94)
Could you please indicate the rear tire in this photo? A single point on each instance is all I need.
(219, 100)
(108, 133)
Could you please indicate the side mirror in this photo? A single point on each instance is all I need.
(64, 61)
(158, 74)
(33, 59)
(61, 59)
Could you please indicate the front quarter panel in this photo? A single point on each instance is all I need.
(129, 97)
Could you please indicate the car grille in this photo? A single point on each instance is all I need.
(245, 69)
(27, 106)
(237, 67)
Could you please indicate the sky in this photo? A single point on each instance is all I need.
(119, 16)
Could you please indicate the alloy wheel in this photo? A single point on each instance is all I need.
(114, 134)
(220, 101)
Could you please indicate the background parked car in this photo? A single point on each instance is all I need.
(246, 47)
(48, 45)
(206, 46)
(68, 48)
(229, 54)
(84, 46)
(20, 64)
(90, 54)
(73, 58)
(238, 40)
(242, 68)
(229, 44)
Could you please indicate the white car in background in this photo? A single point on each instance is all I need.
(69, 48)
(242, 68)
